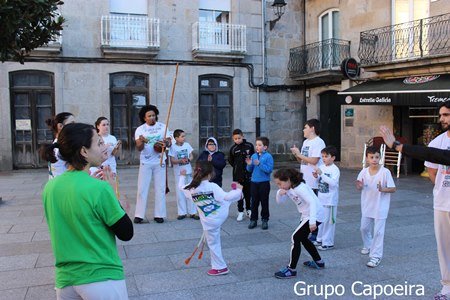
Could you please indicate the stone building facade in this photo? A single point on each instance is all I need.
(115, 56)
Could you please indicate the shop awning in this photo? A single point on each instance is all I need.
(411, 91)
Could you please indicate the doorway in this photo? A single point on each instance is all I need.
(215, 110)
(129, 93)
(32, 102)
(330, 120)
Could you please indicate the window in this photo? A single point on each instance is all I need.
(329, 31)
(135, 7)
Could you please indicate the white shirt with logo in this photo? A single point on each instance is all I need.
(375, 204)
(311, 148)
(329, 185)
(441, 190)
(153, 134)
(306, 201)
(180, 152)
(111, 142)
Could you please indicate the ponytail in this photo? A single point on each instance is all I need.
(47, 152)
(53, 122)
(202, 170)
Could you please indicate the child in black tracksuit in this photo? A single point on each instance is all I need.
(216, 157)
(238, 153)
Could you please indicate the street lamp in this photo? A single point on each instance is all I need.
(278, 7)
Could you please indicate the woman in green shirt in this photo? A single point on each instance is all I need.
(84, 217)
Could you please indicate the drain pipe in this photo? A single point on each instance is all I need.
(304, 82)
(263, 67)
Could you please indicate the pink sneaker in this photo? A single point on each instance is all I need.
(214, 272)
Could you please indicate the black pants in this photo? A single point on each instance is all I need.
(299, 237)
(247, 196)
(260, 194)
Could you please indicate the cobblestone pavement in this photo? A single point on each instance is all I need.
(154, 258)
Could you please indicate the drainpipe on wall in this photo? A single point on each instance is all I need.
(304, 83)
(263, 67)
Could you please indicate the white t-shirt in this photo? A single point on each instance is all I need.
(441, 190)
(180, 152)
(111, 142)
(329, 185)
(311, 148)
(212, 202)
(307, 202)
(375, 204)
(59, 167)
(154, 134)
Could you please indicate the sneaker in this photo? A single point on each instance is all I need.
(323, 247)
(373, 262)
(138, 220)
(252, 224)
(195, 217)
(317, 243)
(365, 251)
(181, 217)
(248, 213)
(285, 273)
(264, 225)
(314, 264)
(158, 220)
(214, 272)
(240, 216)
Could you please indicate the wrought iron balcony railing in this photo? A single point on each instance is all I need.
(129, 31)
(410, 40)
(219, 37)
(319, 56)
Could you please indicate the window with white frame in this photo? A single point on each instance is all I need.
(328, 31)
(214, 11)
(406, 39)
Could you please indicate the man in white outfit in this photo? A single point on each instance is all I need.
(151, 132)
(440, 176)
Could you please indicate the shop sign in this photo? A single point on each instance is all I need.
(350, 68)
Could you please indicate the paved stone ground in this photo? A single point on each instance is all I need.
(154, 258)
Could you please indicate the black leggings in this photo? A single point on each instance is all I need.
(300, 236)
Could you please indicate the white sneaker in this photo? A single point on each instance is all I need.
(373, 262)
(240, 216)
(365, 251)
(248, 213)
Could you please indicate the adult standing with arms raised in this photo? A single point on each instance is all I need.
(149, 141)
(440, 176)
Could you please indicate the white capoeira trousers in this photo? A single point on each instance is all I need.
(442, 232)
(184, 205)
(215, 249)
(373, 242)
(146, 172)
(328, 226)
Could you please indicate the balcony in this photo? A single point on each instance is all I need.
(49, 49)
(419, 39)
(218, 40)
(318, 62)
(125, 35)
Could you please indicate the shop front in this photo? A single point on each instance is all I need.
(409, 105)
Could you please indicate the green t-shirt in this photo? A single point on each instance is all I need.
(79, 211)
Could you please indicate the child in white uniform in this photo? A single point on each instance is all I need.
(291, 185)
(328, 175)
(180, 154)
(213, 206)
(376, 184)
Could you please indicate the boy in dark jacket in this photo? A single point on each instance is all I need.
(216, 157)
(238, 153)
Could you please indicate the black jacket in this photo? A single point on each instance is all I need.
(237, 156)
